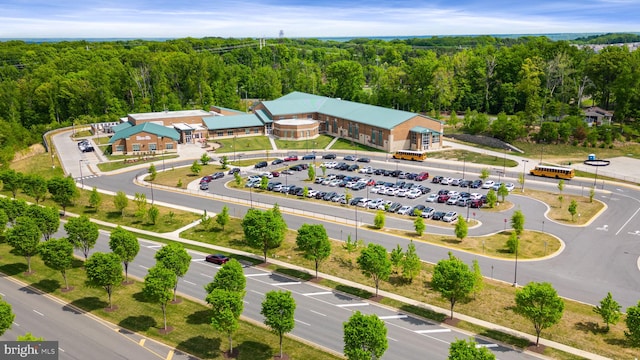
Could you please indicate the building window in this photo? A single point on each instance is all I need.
(135, 147)
(350, 133)
(120, 148)
(309, 116)
(256, 131)
(153, 147)
(308, 133)
(435, 138)
(357, 132)
(169, 146)
(414, 138)
(220, 133)
(247, 131)
(230, 132)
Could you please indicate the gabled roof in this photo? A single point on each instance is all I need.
(423, 130)
(122, 126)
(298, 103)
(230, 122)
(151, 128)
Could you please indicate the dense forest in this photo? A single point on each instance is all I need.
(49, 85)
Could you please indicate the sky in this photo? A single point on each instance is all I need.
(310, 18)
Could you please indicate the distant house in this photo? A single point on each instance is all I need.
(595, 116)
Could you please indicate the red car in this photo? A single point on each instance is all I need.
(422, 176)
(206, 179)
(275, 174)
(291, 158)
(443, 198)
(217, 259)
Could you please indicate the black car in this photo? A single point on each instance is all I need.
(424, 189)
(386, 173)
(217, 175)
(329, 196)
(294, 189)
(358, 186)
(342, 166)
(300, 191)
(353, 167)
(234, 171)
(436, 179)
(217, 259)
(355, 200)
(364, 160)
(438, 215)
(87, 148)
(417, 209)
(394, 207)
(443, 192)
(309, 157)
(260, 165)
(296, 168)
(465, 183)
(476, 184)
(378, 171)
(84, 142)
(321, 194)
(277, 161)
(329, 156)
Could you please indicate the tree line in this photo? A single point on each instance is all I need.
(48, 85)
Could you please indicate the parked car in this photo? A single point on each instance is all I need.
(394, 207)
(405, 210)
(488, 184)
(443, 198)
(204, 186)
(260, 165)
(463, 202)
(443, 192)
(296, 168)
(453, 200)
(329, 196)
(277, 161)
(428, 212)
(510, 186)
(291, 158)
(329, 156)
(234, 171)
(286, 172)
(438, 215)
(422, 176)
(414, 193)
(432, 198)
(465, 183)
(353, 167)
(476, 203)
(266, 174)
(275, 174)
(206, 179)
(364, 160)
(451, 216)
(217, 259)
(436, 179)
(355, 200)
(417, 210)
(272, 184)
(309, 157)
(350, 158)
(475, 184)
(217, 175)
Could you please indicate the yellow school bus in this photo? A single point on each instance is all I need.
(410, 155)
(553, 172)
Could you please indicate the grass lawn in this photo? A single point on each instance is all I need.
(128, 160)
(565, 153)
(472, 157)
(242, 144)
(171, 176)
(345, 144)
(39, 164)
(318, 143)
(190, 319)
(560, 211)
(578, 327)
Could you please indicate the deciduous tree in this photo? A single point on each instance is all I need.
(365, 337)
(396, 257)
(47, 219)
(573, 209)
(453, 279)
(230, 277)
(196, 167)
(539, 303)
(226, 309)
(157, 287)
(94, 198)
(469, 350)
(6, 316)
(418, 225)
(12, 181)
(222, 218)
(379, 219)
(374, 263)
(263, 229)
(24, 237)
(35, 185)
(502, 191)
(58, 255)
(82, 233)
(278, 309)
(175, 258)
(517, 222)
(461, 229)
(411, 264)
(124, 244)
(314, 243)
(104, 270)
(63, 191)
(121, 201)
(492, 198)
(609, 310)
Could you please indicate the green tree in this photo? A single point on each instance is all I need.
(124, 244)
(141, 204)
(196, 167)
(411, 264)
(539, 303)
(484, 174)
(513, 243)
(29, 337)
(344, 79)
(517, 222)
(205, 158)
(347, 196)
(592, 193)
(479, 283)
(82, 233)
(47, 219)
(205, 221)
(469, 350)
(502, 191)
(264, 229)
(63, 191)
(223, 217)
(379, 219)
(224, 161)
(226, 309)
(12, 181)
(4, 220)
(278, 309)
(230, 277)
(153, 213)
(6, 316)
(396, 257)
(453, 279)
(153, 173)
(104, 270)
(24, 237)
(58, 255)
(35, 185)
(314, 243)
(311, 173)
(94, 198)
(121, 201)
(237, 178)
(461, 229)
(573, 209)
(157, 287)
(419, 226)
(492, 198)
(365, 337)
(264, 182)
(374, 263)
(174, 257)
(633, 325)
(609, 310)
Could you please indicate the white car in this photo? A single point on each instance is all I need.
(363, 202)
(432, 198)
(510, 186)
(428, 212)
(334, 182)
(374, 204)
(496, 186)
(453, 200)
(414, 193)
(390, 191)
(268, 175)
(446, 181)
(338, 198)
(488, 184)
(326, 181)
(451, 216)
(453, 193)
(475, 196)
(405, 210)
(376, 189)
(401, 193)
(365, 170)
(312, 193)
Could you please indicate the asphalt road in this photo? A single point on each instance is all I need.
(80, 336)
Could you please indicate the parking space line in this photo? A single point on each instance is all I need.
(318, 293)
(352, 305)
(392, 317)
(318, 313)
(287, 283)
(432, 331)
(259, 274)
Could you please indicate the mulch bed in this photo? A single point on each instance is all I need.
(111, 309)
(536, 349)
(165, 331)
(176, 301)
(451, 322)
(283, 357)
(376, 298)
(230, 355)
(66, 290)
(315, 280)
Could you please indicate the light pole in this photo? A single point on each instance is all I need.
(356, 220)
(515, 272)
(234, 148)
(504, 162)
(464, 165)
(81, 177)
(251, 196)
(524, 167)
(595, 178)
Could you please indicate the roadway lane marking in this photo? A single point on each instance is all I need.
(432, 331)
(352, 305)
(260, 274)
(38, 312)
(315, 312)
(144, 267)
(287, 283)
(318, 293)
(207, 275)
(141, 342)
(189, 282)
(257, 292)
(392, 317)
(3, 295)
(631, 218)
(603, 228)
(16, 324)
(302, 322)
(153, 246)
(61, 349)
(486, 345)
(169, 355)
(392, 339)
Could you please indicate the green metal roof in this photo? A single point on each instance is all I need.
(121, 126)
(148, 127)
(230, 122)
(422, 130)
(264, 116)
(297, 103)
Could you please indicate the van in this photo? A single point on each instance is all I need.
(260, 165)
